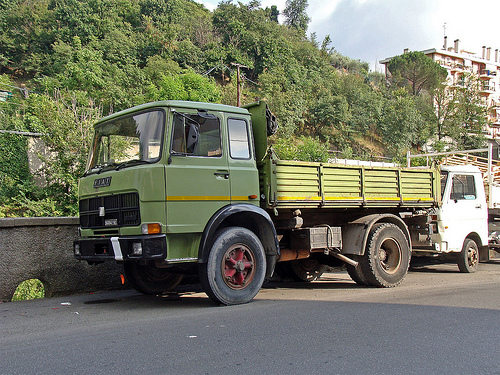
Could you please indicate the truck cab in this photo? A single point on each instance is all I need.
(459, 230)
(163, 181)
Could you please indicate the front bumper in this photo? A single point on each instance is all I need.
(121, 248)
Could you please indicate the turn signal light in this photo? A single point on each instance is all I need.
(154, 228)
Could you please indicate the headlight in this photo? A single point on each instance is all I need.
(137, 248)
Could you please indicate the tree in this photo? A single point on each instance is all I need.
(185, 86)
(444, 108)
(470, 114)
(295, 14)
(403, 125)
(416, 71)
(65, 120)
(274, 13)
(459, 115)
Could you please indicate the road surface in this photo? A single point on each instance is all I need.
(438, 321)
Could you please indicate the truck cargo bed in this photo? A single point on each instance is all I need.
(294, 184)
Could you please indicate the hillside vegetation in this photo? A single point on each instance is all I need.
(69, 62)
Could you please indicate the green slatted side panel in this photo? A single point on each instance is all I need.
(303, 184)
(341, 182)
(416, 185)
(300, 182)
(381, 184)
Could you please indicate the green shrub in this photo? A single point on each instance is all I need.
(303, 149)
(29, 289)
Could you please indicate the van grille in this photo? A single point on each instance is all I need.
(110, 211)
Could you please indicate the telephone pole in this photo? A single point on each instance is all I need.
(238, 90)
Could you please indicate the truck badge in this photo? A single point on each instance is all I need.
(102, 182)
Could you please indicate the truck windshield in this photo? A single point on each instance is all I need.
(127, 140)
(444, 179)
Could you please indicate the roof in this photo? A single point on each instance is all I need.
(177, 104)
(461, 168)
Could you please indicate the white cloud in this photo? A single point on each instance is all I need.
(209, 5)
(319, 10)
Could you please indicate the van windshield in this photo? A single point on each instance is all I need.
(444, 179)
(126, 141)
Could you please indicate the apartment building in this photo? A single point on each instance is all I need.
(486, 66)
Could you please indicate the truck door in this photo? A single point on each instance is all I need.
(464, 210)
(244, 178)
(197, 172)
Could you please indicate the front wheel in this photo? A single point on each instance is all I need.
(149, 279)
(468, 258)
(236, 267)
(387, 256)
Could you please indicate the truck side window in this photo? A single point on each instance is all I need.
(193, 135)
(463, 187)
(239, 147)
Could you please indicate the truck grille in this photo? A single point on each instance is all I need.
(110, 211)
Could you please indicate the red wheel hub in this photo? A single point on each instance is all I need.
(238, 266)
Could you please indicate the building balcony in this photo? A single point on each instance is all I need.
(487, 74)
(487, 89)
(456, 67)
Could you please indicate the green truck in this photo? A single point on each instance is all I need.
(176, 188)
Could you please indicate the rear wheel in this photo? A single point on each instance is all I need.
(468, 259)
(149, 279)
(356, 273)
(236, 267)
(387, 256)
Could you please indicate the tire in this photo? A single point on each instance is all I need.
(356, 273)
(387, 256)
(149, 279)
(307, 270)
(236, 267)
(468, 258)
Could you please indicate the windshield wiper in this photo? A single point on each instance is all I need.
(98, 168)
(128, 163)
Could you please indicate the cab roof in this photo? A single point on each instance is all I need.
(177, 104)
(466, 168)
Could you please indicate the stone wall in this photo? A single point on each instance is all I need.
(42, 248)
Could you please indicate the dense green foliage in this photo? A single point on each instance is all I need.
(82, 59)
(416, 71)
(29, 289)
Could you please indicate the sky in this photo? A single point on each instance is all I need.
(372, 30)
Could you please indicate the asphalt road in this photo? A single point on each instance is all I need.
(438, 321)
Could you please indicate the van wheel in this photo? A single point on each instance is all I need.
(149, 279)
(387, 256)
(468, 258)
(236, 267)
